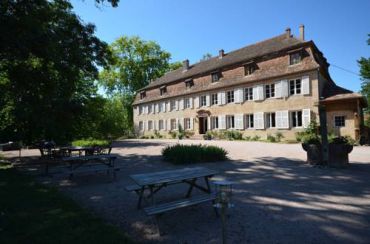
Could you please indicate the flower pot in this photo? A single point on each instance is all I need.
(338, 155)
(314, 153)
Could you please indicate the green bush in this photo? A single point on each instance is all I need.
(181, 133)
(310, 135)
(233, 135)
(271, 138)
(208, 136)
(157, 134)
(91, 143)
(255, 138)
(188, 134)
(188, 154)
(279, 136)
(341, 140)
(247, 138)
(173, 134)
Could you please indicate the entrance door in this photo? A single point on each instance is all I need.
(203, 125)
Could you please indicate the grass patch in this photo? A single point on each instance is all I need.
(91, 143)
(33, 213)
(188, 154)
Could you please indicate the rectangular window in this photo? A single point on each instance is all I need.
(214, 99)
(160, 125)
(339, 121)
(187, 103)
(295, 58)
(295, 87)
(163, 90)
(141, 108)
(214, 122)
(270, 90)
(142, 95)
(230, 122)
(187, 124)
(248, 94)
(189, 83)
(270, 120)
(141, 126)
(173, 105)
(216, 76)
(249, 121)
(249, 69)
(296, 118)
(173, 124)
(203, 101)
(150, 109)
(160, 107)
(150, 125)
(230, 96)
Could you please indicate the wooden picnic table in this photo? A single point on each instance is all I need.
(153, 182)
(78, 149)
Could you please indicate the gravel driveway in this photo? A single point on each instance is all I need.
(278, 198)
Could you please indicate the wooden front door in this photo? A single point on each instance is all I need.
(203, 125)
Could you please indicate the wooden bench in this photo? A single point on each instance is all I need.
(165, 207)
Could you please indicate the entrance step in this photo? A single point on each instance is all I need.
(196, 137)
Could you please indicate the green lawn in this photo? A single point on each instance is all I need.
(32, 213)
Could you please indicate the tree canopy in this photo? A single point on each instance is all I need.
(48, 64)
(365, 74)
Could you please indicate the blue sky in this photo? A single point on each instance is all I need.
(189, 29)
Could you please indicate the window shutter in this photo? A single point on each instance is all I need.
(255, 93)
(306, 117)
(163, 104)
(278, 117)
(258, 120)
(305, 85)
(177, 105)
(238, 93)
(157, 108)
(191, 123)
(258, 93)
(208, 123)
(196, 102)
(153, 108)
(284, 88)
(191, 102)
(208, 102)
(169, 124)
(222, 122)
(219, 98)
(181, 104)
(239, 123)
(223, 98)
(285, 119)
(261, 92)
(164, 124)
(168, 106)
(278, 87)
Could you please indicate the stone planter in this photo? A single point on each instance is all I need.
(338, 155)
(314, 153)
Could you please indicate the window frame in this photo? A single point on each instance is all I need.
(270, 120)
(187, 103)
(160, 124)
(186, 123)
(189, 83)
(335, 121)
(294, 117)
(150, 125)
(249, 120)
(163, 91)
(232, 120)
(271, 90)
(215, 76)
(142, 95)
(173, 124)
(173, 105)
(214, 123)
(295, 87)
(249, 69)
(248, 94)
(203, 101)
(213, 96)
(230, 98)
(141, 126)
(292, 60)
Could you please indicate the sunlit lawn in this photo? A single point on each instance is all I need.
(33, 213)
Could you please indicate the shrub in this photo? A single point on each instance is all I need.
(181, 133)
(255, 138)
(188, 134)
(157, 134)
(208, 135)
(342, 140)
(247, 138)
(310, 135)
(91, 143)
(279, 136)
(271, 138)
(188, 154)
(233, 135)
(173, 134)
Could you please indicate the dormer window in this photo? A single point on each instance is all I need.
(142, 95)
(216, 76)
(295, 58)
(249, 69)
(163, 90)
(189, 83)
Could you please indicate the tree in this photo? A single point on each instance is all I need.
(48, 60)
(135, 63)
(365, 74)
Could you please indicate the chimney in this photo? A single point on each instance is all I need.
(288, 32)
(301, 32)
(221, 53)
(185, 65)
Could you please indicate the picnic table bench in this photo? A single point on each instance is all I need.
(76, 162)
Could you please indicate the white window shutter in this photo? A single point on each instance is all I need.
(196, 102)
(177, 124)
(219, 98)
(261, 92)
(305, 85)
(177, 105)
(223, 98)
(208, 101)
(284, 88)
(258, 120)
(285, 119)
(278, 117)
(164, 124)
(168, 106)
(278, 86)
(153, 108)
(238, 93)
(257, 95)
(306, 117)
(191, 102)
(208, 123)
(222, 122)
(181, 104)
(191, 123)
(239, 121)
(169, 124)
(156, 108)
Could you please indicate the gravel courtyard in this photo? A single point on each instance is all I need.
(278, 198)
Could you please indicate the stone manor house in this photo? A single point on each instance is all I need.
(279, 84)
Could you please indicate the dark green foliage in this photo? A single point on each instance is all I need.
(181, 133)
(347, 140)
(271, 138)
(33, 213)
(278, 136)
(48, 64)
(173, 134)
(91, 143)
(310, 135)
(189, 154)
(365, 74)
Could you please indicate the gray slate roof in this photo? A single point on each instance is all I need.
(244, 54)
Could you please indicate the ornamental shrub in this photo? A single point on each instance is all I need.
(189, 154)
(91, 143)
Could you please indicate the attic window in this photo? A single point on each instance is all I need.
(142, 95)
(189, 83)
(216, 76)
(163, 90)
(249, 69)
(295, 58)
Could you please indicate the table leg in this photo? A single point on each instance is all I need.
(192, 182)
(141, 194)
(207, 183)
(152, 193)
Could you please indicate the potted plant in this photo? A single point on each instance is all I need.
(311, 143)
(339, 148)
